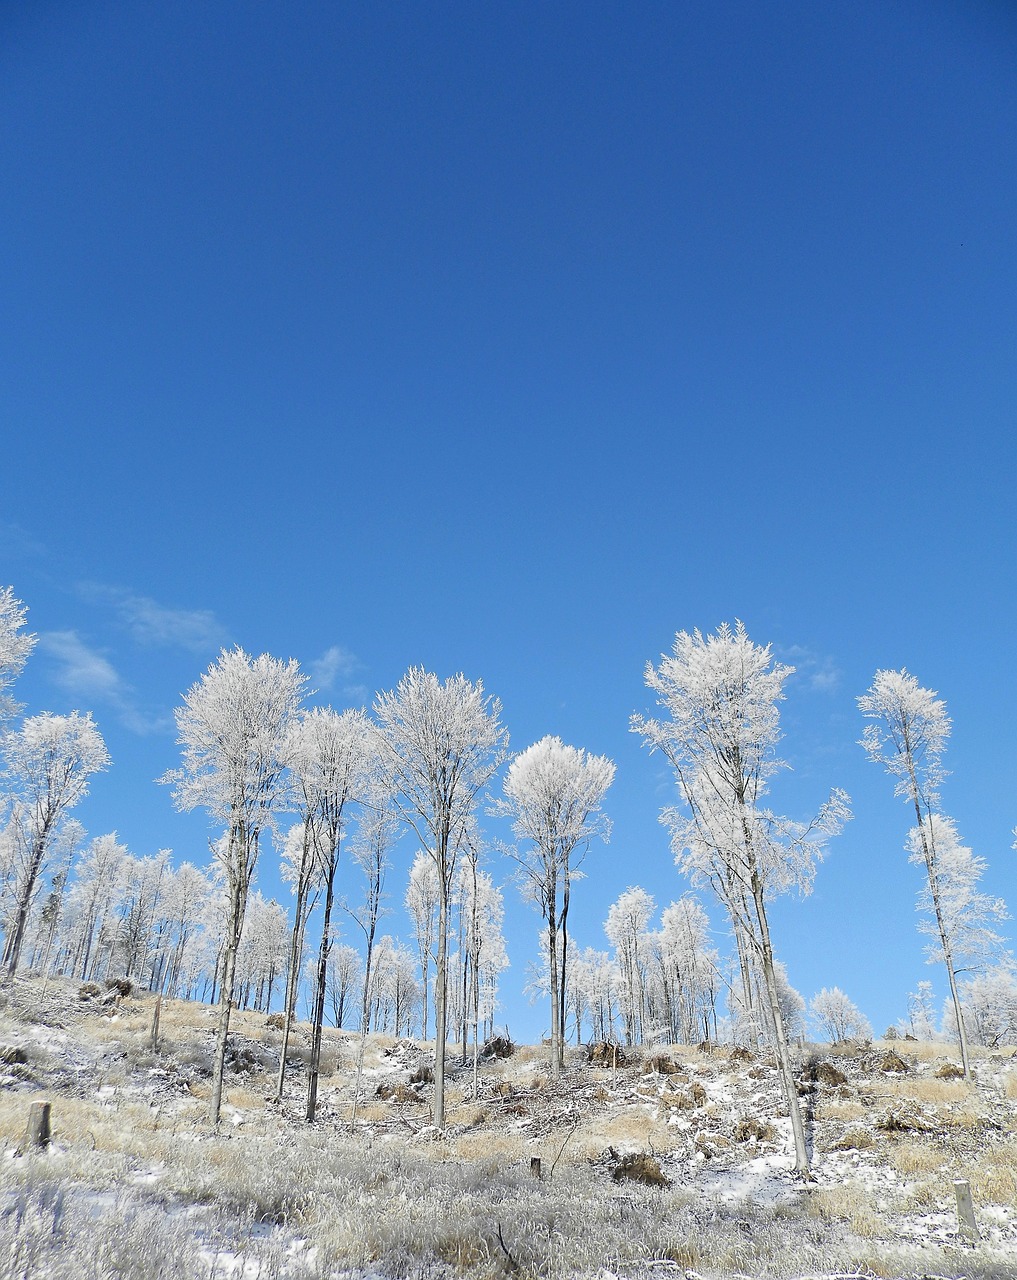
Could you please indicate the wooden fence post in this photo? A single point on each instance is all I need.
(37, 1134)
(965, 1210)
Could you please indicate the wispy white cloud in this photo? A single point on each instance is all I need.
(336, 668)
(16, 541)
(91, 679)
(821, 674)
(151, 623)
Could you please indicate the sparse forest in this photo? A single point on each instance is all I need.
(331, 797)
(422, 798)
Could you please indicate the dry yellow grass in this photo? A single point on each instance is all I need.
(993, 1176)
(913, 1159)
(843, 1109)
(505, 1147)
(850, 1204)
(630, 1127)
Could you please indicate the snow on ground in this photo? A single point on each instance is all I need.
(885, 1146)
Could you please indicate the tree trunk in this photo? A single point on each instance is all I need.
(552, 953)
(319, 999)
(292, 978)
(12, 951)
(783, 1053)
(563, 973)
(441, 1004)
(235, 921)
(929, 851)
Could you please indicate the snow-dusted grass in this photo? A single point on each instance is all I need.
(136, 1169)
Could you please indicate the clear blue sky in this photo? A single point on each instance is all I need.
(510, 340)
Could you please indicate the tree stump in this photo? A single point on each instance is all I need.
(535, 1166)
(37, 1133)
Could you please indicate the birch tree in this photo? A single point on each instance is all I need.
(441, 743)
(234, 728)
(720, 735)
(50, 760)
(553, 794)
(907, 734)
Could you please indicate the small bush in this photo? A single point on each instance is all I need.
(89, 990)
(750, 1128)
(640, 1167)
(276, 1021)
(124, 987)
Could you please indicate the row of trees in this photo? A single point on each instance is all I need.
(252, 752)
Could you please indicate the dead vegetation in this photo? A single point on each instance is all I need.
(674, 1157)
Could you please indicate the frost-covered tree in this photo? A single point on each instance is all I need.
(422, 901)
(345, 974)
(990, 1005)
(441, 743)
(234, 728)
(261, 957)
(15, 646)
(954, 907)
(921, 1012)
(187, 896)
(299, 871)
(553, 793)
(838, 1017)
(627, 926)
(687, 973)
(481, 949)
(50, 760)
(592, 993)
(91, 898)
(720, 735)
(371, 850)
(333, 761)
(907, 734)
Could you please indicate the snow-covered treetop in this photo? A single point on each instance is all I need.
(333, 759)
(553, 792)
(440, 744)
(233, 728)
(51, 759)
(15, 646)
(721, 694)
(908, 733)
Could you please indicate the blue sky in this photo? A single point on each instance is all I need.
(511, 340)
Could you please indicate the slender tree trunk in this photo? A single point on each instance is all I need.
(12, 951)
(781, 1047)
(563, 975)
(292, 978)
(441, 1003)
(928, 850)
(319, 998)
(234, 925)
